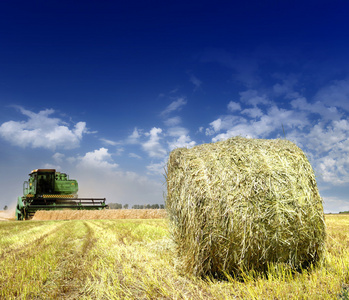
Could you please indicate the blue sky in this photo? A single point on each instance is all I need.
(104, 90)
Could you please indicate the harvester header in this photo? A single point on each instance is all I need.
(47, 189)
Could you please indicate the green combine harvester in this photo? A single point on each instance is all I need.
(47, 189)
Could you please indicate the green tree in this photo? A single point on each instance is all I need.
(115, 205)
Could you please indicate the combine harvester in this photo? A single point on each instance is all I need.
(47, 189)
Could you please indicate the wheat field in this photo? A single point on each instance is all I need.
(134, 259)
(100, 214)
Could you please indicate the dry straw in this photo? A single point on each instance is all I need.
(242, 204)
(100, 214)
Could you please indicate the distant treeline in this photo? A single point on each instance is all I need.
(344, 212)
(136, 206)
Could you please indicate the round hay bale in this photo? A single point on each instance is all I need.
(242, 204)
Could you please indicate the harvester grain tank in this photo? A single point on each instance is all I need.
(47, 189)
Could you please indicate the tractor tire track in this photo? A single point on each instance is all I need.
(73, 265)
(124, 234)
(29, 265)
(30, 245)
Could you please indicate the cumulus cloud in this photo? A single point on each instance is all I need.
(134, 137)
(319, 127)
(325, 111)
(152, 146)
(335, 94)
(224, 123)
(234, 106)
(183, 141)
(41, 130)
(323, 138)
(97, 159)
(157, 168)
(181, 138)
(177, 131)
(329, 145)
(286, 88)
(252, 97)
(260, 118)
(174, 106)
(253, 112)
(58, 157)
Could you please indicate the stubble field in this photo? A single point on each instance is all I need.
(134, 259)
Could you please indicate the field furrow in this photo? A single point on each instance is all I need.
(72, 266)
(135, 259)
(17, 236)
(50, 267)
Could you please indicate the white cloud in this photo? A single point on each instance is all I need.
(153, 146)
(97, 159)
(71, 160)
(58, 157)
(336, 94)
(329, 144)
(234, 106)
(286, 89)
(253, 123)
(134, 137)
(177, 131)
(252, 97)
(42, 131)
(119, 151)
(173, 121)
(323, 138)
(326, 112)
(239, 130)
(217, 125)
(327, 169)
(319, 128)
(109, 142)
(183, 141)
(174, 106)
(157, 168)
(134, 155)
(253, 112)
(52, 166)
(224, 123)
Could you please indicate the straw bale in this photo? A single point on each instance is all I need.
(242, 204)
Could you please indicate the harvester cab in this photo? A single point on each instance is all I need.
(47, 189)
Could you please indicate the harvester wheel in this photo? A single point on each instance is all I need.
(19, 215)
